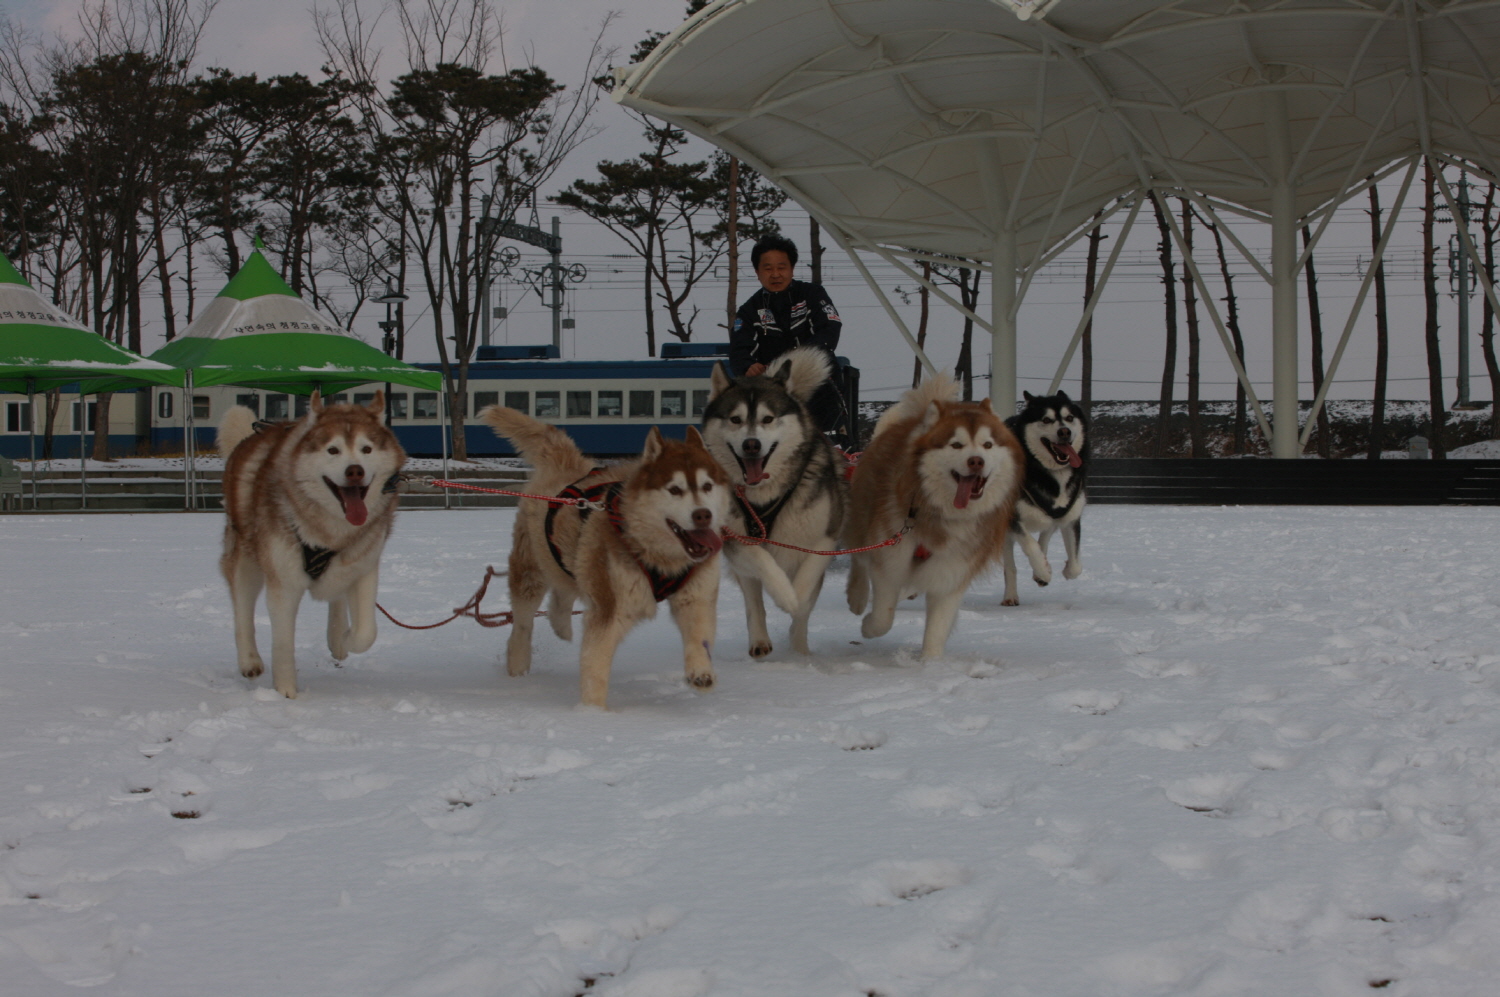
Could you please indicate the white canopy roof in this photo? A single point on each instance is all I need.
(940, 124)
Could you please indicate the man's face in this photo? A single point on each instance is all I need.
(774, 270)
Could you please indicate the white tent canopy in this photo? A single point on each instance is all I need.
(996, 129)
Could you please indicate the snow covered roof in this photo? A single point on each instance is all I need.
(937, 124)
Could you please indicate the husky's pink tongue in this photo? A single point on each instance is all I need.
(967, 486)
(755, 470)
(354, 505)
(1069, 454)
(708, 539)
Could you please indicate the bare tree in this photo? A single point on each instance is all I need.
(1090, 277)
(1487, 328)
(1315, 337)
(1430, 298)
(1196, 441)
(1169, 363)
(1382, 334)
(459, 139)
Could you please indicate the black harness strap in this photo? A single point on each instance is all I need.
(315, 560)
(608, 494)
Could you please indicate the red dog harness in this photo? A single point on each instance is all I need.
(608, 495)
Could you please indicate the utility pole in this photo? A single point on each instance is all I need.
(551, 275)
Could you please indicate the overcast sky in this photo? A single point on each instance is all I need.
(269, 37)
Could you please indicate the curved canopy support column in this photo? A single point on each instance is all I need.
(1284, 262)
(1003, 323)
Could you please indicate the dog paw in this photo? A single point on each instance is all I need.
(1072, 570)
(515, 669)
(339, 649)
(1010, 601)
(760, 648)
(252, 668)
(701, 681)
(1042, 578)
(872, 627)
(287, 689)
(359, 643)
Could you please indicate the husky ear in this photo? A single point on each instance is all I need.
(1029, 397)
(654, 444)
(985, 404)
(783, 373)
(718, 381)
(930, 415)
(315, 403)
(377, 404)
(1064, 396)
(695, 439)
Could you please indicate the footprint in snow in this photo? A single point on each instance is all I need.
(855, 739)
(1213, 795)
(1085, 701)
(888, 883)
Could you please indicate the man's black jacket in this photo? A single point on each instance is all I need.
(768, 325)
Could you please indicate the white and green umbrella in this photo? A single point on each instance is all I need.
(43, 347)
(258, 333)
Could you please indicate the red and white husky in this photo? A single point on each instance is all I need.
(309, 506)
(650, 534)
(949, 469)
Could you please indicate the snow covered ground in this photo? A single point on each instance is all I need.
(1250, 752)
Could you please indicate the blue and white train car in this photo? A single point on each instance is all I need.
(607, 406)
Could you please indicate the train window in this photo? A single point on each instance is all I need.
(484, 399)
(164, 405)
(304, 402)
(519, 400)
(251, 402)
(610, 404)
(93, 417)
(425, 405)
(673, 403)
(201, 407)
(643, 404)
(339, 399)
(17, 417)
(548, 405)
(276, 407)
(363, 398)
(398, 406)
(700, 401)
(580, 404)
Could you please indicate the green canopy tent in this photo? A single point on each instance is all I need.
(42, 347)
(258, 333)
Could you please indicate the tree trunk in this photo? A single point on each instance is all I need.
(1487, 330)
(101, 425)
(1197, 442)
(815, 252)
(163, 273)
(1315, 327)
(964, 370)
(923, 295)
(1169, 362)
(732, 240)
(650, 309)
(53, 400)
(1090, 276)
(1232, 320)
(1382, 335)
(1430, 296)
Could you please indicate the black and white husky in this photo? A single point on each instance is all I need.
(1053, 431)
(789, 482)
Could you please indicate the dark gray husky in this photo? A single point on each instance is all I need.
(789, 486)
(1053, 431)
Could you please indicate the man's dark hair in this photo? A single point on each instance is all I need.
(777, 242)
